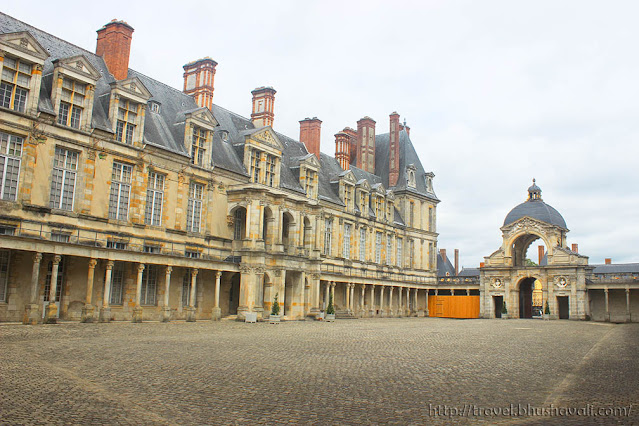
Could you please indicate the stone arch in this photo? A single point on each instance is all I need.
(268, 228)
(307, 233)
(517, 246)
(287, 224)
(238, 213)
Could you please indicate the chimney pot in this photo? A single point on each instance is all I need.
(456, 262)
(114, 45)
(263, 106)
(575, 248)
(393, 151)
(608, 261)
(366, 144)
(198, 81)
(310, 135)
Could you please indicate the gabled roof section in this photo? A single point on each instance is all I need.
(79, 68)
(444, 267)
(265, 135)
(363, 184)
(202, 116)
(22, 43)
(134, 88)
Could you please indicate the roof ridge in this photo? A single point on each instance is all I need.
(51, 35)
(234, 113)
(158, 81)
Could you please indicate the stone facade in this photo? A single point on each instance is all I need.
(124, 199)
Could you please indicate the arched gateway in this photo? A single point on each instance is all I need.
(525, 287)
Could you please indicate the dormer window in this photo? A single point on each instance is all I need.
(16, 80)
(256, 165)
(71, 103)
(155, 107)
(270, 170)
(198, 145)
(127, 121)
(348, 196)
(410, 176)
(311, 183)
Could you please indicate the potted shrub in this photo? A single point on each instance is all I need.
(274, 318)
(546, 311)
(504, 310)
(330, 309)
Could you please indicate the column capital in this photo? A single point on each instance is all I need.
(627, 289)
(92, 263)
(141, 267)
(37, 258)
(109, 264)
(169, 269)
(194, 272)
(57, 259)
(218, 274)
(606, 290)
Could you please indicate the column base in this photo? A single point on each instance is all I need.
(217, 314)
(190, 314)
(421, 313)
(87, 313)
(51, 314)
(31, 316)
(166, 314)
(372, 313)
(241, 312)
(137, 314)
(105, 314)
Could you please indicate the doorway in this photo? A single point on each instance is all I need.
(498, 302)
(564, 307)
(234, 294)
(526, 297)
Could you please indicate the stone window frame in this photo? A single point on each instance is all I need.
(378, 247)
(362, 244)
(68, 171)
(9, 145)
(346, 243)
(116, 295)
(195, 205)
(132, 93)
(61, 280)
(328, 236)
(120, 184)
(152, 216)
(5, 269)
(186, 283)
(149, 293)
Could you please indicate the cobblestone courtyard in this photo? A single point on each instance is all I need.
(401, 371)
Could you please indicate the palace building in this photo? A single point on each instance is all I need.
(123, 198)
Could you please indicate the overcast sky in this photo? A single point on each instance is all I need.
(495, 92)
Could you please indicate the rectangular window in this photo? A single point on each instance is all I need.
(399, 252)
(14, 87)
(7, 230)
(60, 281)
(60, 237)
(126, 121)
(346, 249)
(186, 288)
(65, 164)
(154, 199)
(328, 236)
(71, 103)
(378, 247)
(348, 197)
(389, 249)
(117, 283)
(431, 220)
(411, 253)
(4, 274)
(270, 169)
(256, 160)
(194, 210)
(149, 285)
(310, 184)
(10, 157)
(192, 254)
(151, 249)
(362, 244)
(412, 214)
(120, 191)
(198, 144)
(118, 245)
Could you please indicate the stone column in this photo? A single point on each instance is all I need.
(551, 299)
(607, 316)
(315, 290)
(137, 310)
(333, 284)
(259, 290)
(166, 309)
(408, 309)
(51, 310)
(327, 290)
(371, 301)
(400, 302)
(31, 309)
(628, 318)
(190, 310)
(246, 281)
(348, 296)
(381, 302)
(217, 312)
(88, 309)
(105, 313)
(362, 308)
(307, 295)
(353, 298)
(390, 301)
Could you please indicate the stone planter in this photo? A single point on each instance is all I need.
(320, 316)
(546, 317)
(274, 319)
(250, 317)
(329, 317)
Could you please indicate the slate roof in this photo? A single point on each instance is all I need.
(444, 266)
(619, 268)
(469, 272)
(165, 129)
(536, 209)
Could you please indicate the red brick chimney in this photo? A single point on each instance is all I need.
(608, 261)
(575, 248)
(366, 144)
(540, 252)
(310, 132)
(263, 104)
(343, 149)
(198, 81)
(114, 45)
(352, 134)
(393, 150)
(456, 262)
(443, 254)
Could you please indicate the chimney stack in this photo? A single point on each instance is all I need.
(456, 262)
(608, 261)
(393, 150)
(443, 254)
(310, 132)
(366, 144)
(540, 251)
(352, 134)
(114, 45)
(343, 149)
(263, 103)
(575, 248)
(198, 81)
